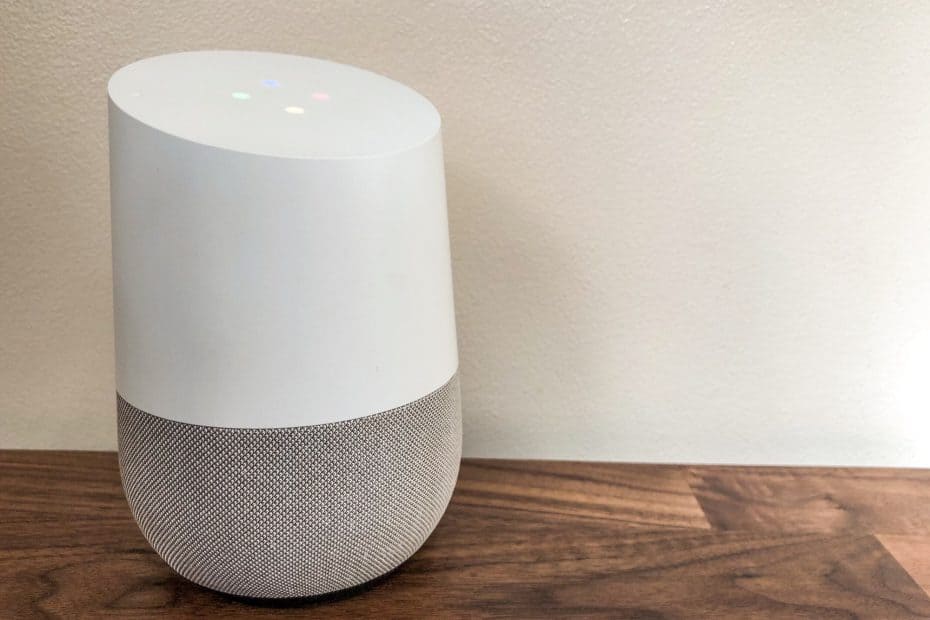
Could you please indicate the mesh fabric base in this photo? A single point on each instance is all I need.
(291, 512)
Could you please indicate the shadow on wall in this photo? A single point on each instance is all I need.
(59, 284)
(515, 276)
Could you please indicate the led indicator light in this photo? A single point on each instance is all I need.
(271, 83)
(241, 96)
(320, 96)
(293, 109)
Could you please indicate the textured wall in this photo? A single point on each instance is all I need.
(679, 233)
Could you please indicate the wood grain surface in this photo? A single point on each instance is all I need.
(913, 553)
(520, 539)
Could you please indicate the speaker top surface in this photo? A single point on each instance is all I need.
(274, 105)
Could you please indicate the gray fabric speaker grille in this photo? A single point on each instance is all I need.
(288, 512)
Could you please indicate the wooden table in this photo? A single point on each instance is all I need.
(521, 538)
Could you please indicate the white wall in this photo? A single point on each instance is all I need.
(680, 233)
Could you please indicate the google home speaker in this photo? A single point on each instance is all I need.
(288, 403)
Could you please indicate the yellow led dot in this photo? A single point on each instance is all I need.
(293, 109)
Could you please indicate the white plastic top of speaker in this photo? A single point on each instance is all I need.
(274, 104)
(280, 240)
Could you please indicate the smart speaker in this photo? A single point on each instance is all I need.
(286, 363)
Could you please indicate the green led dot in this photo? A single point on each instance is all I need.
(241, 96)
